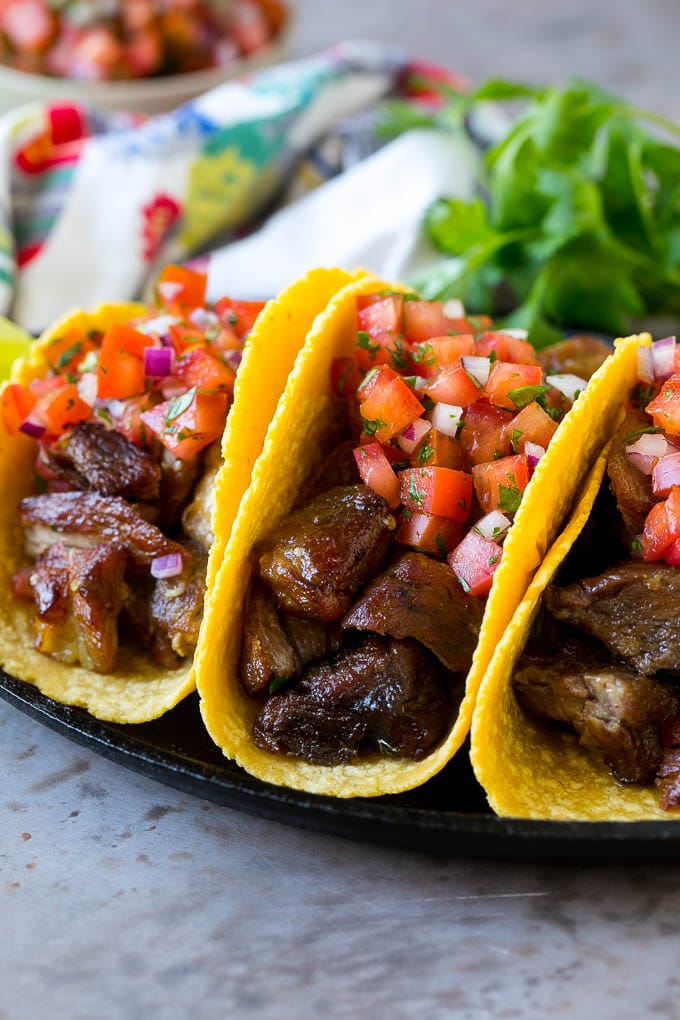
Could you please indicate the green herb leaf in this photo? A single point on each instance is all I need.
(178, 405)
(509, 498)
(525, 395)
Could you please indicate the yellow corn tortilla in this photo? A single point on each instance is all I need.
(291, 450)
(528, 768)
(140, 689)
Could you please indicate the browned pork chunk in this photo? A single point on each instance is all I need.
(384, 694)
(318, 557)
(266, 652)
(177, 606)
(581, 355)
(634, 609)
(420, 598)
(613, 710)
(339, 468)
(86, 519)
(79, 593)
(632, 489)
(91, 456)
(178, 478)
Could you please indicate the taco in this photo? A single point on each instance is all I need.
(579, 714)
(112, 431)
(373, 586)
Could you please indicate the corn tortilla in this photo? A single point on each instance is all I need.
(291, 450)
(140, 689)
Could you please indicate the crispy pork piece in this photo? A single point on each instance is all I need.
(79, 594)
(613, 710)
(420, 598)
(579, 355)
(85, 519)
(197, 519)
(266, 652)
(632, 489)
(633, 609)
(178, 479)
(311, 639)
(385, 694)
(339, 468)
(90, 456)
(319, 556)
(177, 606)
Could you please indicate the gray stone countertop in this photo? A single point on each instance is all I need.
(122, 898)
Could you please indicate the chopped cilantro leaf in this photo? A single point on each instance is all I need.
(653, 429)
(509, 498)
(415, 494)
(178, 405)
(441, 545)
(276, 683)
(68, 354)
(515, 438)
(371, 427)
(636, 545)
(364, 342)
(526, 395)
(424, 453)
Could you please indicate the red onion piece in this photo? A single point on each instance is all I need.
(446, 418)
(666, 474)
(647, 449)
(533, 453)
(159, 362)
(493, 526)
(645, 365)
(412, 434)
(477, 367)
(32, 428)
(166, 566)
(233, 358)
(568, 384)
(663, 357)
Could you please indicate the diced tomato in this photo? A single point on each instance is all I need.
(129, 420)
(439, 450)
(433, 535)
(198, 367)
(672, 554)
(429, 357)
(482, 437)
(17, 403)
(65, 353)
(666, 474)
(495, 343)
(662, 527)
(188, 423)
(376, 472)
(387, 404)
(531, 425)
(437, 490)
(120, 369)
(178, 285)
(520, 352)
(424, 319)
(474, 562)
(240, 315)
(65, 408)
(29, 25)
(345, 376)
(383, 316)
(499, 484)
(458, 324)
(381, 349)
(665, 408)
(505, 380)
(39, 387)
(453, 385)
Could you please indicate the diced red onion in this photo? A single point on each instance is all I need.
(203, 318)
(568, 384)
(663, 357)
(446, 418)
(233, 358)
(477, 367)
(666, 474)
(87, 387)
(647, 449)
(645, 365)
(159, 362)
(166, 566)
(454, 309)
(412, 434)
(518, 334)
(32, 428)
(533, 453)
(169, 290)
(493, 526)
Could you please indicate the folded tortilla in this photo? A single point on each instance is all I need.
(140, 689)
(528, 768)
(292, 449)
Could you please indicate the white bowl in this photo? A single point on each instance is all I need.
(142, 95)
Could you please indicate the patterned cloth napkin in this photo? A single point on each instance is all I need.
(92, 204)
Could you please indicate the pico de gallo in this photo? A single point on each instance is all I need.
(453, 417)
(654, 449)
(127, 423)
(102, 40)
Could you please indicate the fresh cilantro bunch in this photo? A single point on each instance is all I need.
(581, 223)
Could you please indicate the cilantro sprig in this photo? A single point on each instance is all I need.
(582, 223)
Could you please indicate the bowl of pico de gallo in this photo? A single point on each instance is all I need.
(145, 56)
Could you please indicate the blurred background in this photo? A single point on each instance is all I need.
(628, 45)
